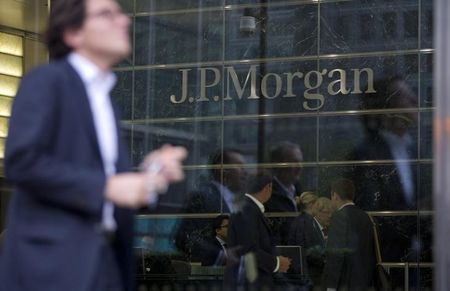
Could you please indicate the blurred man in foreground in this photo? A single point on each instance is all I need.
(70, 223)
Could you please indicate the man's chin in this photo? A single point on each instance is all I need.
(121, 55)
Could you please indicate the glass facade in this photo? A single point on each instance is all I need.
(304, 91)
(349, 83)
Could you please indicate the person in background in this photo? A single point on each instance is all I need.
(308, 230)
(350, 253)
(215, 249)
(222, 192)
(285, 181)
(305, 202)
(70, 220)
(323, 208)
(249, 234)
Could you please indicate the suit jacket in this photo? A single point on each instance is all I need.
(53, 159)
(305, 232)
(213, 254)
(280, 202)
(350, 255)
(192, 234)
(207, 199)
(379, 187)
(248, 231)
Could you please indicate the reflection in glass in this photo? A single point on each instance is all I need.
(329, 85)
(388, 137)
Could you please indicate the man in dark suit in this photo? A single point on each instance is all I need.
(392, 185)
(285, 187)
(249, 233)
(309, 232)
(214, 249)
(223, 193)
(388, 138)
(225, 188)
(350, 253)
(70, 221)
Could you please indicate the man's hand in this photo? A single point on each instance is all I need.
(166, 161)
(160, 168)
(285, 263)
(133, 190)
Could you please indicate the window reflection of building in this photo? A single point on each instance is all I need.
(346, 27)
(388, 137)
(222, 192)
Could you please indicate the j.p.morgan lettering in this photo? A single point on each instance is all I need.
(273, 85)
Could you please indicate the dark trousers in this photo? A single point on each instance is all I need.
(107, 277)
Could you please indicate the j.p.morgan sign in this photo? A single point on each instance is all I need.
(252, 86)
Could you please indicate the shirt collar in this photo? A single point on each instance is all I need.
(395, 140)
(290, 189)
(318, 223)
(346, 204)
(91, 74)
(221, 241)
(259, 204)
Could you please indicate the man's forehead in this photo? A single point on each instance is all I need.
(99, 4)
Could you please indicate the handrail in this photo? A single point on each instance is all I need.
(283, 214)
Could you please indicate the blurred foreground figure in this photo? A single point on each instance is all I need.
(70, 223)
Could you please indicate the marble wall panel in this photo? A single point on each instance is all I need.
(122, 94)
(288, 31)
(343, 138)
(143, 6)
(364, 83)
(154, 88)
(368, 25)
(179, 38)
(257, 138)
(201, 139)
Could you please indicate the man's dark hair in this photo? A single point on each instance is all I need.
(65, 15)
(344, 188)
(280, 152)
(217, 222)
(221, 157)
(258, 183)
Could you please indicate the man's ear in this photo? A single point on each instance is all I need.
(73, 38)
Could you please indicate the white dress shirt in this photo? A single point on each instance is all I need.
(228, 196)
(223, 245)
(399, 149)
(290, 191)
(98, 85)
(325, 237)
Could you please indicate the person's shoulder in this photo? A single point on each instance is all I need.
(54, 70)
